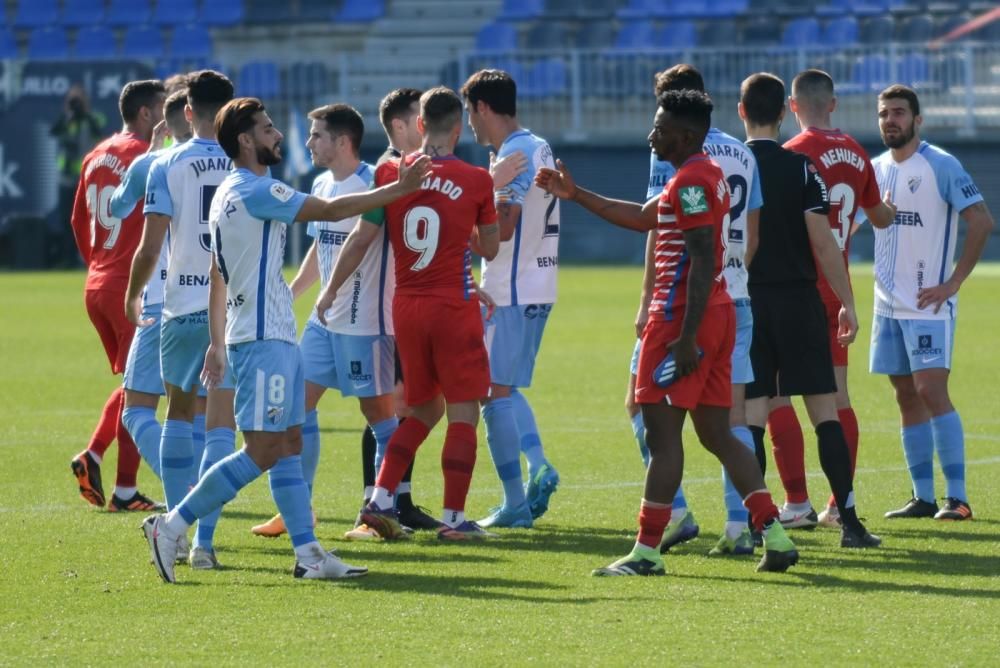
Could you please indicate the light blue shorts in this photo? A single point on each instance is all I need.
(183, 342)
(358, 366)
(900, 347)
(742, 369)
(142, 367)
(513, 336)
(270, 387)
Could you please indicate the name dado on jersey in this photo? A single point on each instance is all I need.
(445, 187)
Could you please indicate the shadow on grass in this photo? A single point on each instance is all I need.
(576, 540)
(345, 551)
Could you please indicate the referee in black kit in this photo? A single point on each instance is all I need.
(790, 352)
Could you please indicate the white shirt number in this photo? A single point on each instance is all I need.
(421, 230)
(99, 204)
(842, 195)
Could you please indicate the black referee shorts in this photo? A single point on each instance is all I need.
(790, 350)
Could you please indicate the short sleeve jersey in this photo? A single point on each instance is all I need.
(248, 220)
(696, 196)
(791, 186)
(181, 185)
(107, 242)
(366, 308)
(930, 189)
(430, 229)
(525, 268)
(850, 180)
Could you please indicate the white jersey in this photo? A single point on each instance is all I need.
(365, 304)
(740, 168)
(181, 184)
(247, 223)
(524, 270)
(917, 251)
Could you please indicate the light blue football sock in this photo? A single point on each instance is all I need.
(679, 503)
(218, 486)
(531, 442)
(949, 441)
(383, 432)
(918, 448)
(291, 495)
(198, 448)
(639, 430)
(735, 510)
(140, 421)
(310, 448)
(219, 444)
(176, 457)
(502, 439)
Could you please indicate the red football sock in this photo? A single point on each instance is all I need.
(128, 454)
(653, 519)
(104, 433)
(458, 458)
(761, 507)
(788, 448)
(400, 452)
(849, 421)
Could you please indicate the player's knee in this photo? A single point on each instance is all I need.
(499, 391)
(934, 396)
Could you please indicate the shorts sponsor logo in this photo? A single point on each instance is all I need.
(693, 200)
(274, 414)
(356, 373)
(533, 311)
(925, 347)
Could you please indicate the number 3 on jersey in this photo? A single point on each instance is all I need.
(842, 196)
(421, 230)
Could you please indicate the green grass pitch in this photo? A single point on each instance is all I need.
(77, 587)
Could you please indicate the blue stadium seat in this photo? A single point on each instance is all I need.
(360, 11)
(720, 32)
(913, 69)
(801, 33)
(546, 35)
(595, 35)
(877, 30)
(267, 11)
(36, 13)
(868, 7)
(595, 9)
(77, 13)
(96, 43)
(259, 79)
(728, 8)
(685, 9)
(520, 10)
(143, 42)
(636, 35)
(872, 73)
(170, 13)
(759, 32)
(48, 44)
(123, 13)
(560, 9)
(306, 80)
(919, 28)
(497, 37)
(841, 32)
(834, 8)
(548, 78)
(640, 9)
(193, 41)
(8, 47)
(221, 12)
(679, 35)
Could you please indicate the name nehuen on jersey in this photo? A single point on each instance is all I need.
(202, 165)
(909, 218)
(842, 156)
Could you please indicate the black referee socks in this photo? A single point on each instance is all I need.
(758, 447)
(836, 463)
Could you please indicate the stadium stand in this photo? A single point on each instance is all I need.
(175, 12)
(191, 42)
(48, 44)
(218, 13)
(78, 13)
(96, 43)
(678, 35)
(520, 10)
(143, 42)
(123, 13)
(840, 32)
(260, 79)
(8, 47)
(360, 11)
(36, 13)
(801, 33)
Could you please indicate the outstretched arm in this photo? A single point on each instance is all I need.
(630, 215)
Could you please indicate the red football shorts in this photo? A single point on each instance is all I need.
(441, 349)
(838, 351)
(711, 383)
(106, 309)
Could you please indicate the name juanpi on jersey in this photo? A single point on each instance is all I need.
(202, 165)
(844, 156)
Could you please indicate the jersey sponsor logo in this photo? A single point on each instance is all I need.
(920, 274)
(693, 200)
(202, 165)
(235, 302)
(970, 190)
(843, 156)
(332, 237)
(547, 261)
(734, 263)
(445, 187)
(913, 183)
(192, 279)
(356, 372)
(908, 218)
(281, 192)
(355, 297)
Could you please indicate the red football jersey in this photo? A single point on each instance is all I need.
(430, 229)
(697, 195)
(850, 182)
(106, 243)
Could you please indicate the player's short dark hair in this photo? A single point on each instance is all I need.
(397, 104)
(902, 92)
(691, 107)
(138, 94)
(342, 119)
(175, 102)
(208, 91)
(678, 77)
(440, 110)
(235, 118)
(494, 87)
(812, 84)
(763, 98)
(176, 82)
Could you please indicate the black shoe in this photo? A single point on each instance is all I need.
(858, 537)
(914, 508)
(774, 561)
(758, 538)
(416, 517)
(358, 521)
(954, 509)
(88, 478)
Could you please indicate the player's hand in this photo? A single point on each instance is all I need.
(847, 326)
(685, 356)
(133, 311)
(486, 300)
(214, 369)
(507, 168)
(411, 176)
(558, 182)
(641, 318)
(323, 305)
(887, 200)
(160, 134)
(936, 296)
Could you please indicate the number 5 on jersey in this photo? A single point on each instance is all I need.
(421, 231)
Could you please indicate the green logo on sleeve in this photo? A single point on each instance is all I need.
(693, 200)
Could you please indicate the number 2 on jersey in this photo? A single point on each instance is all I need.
(421, 231)
(99, 204)
(842, 195)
